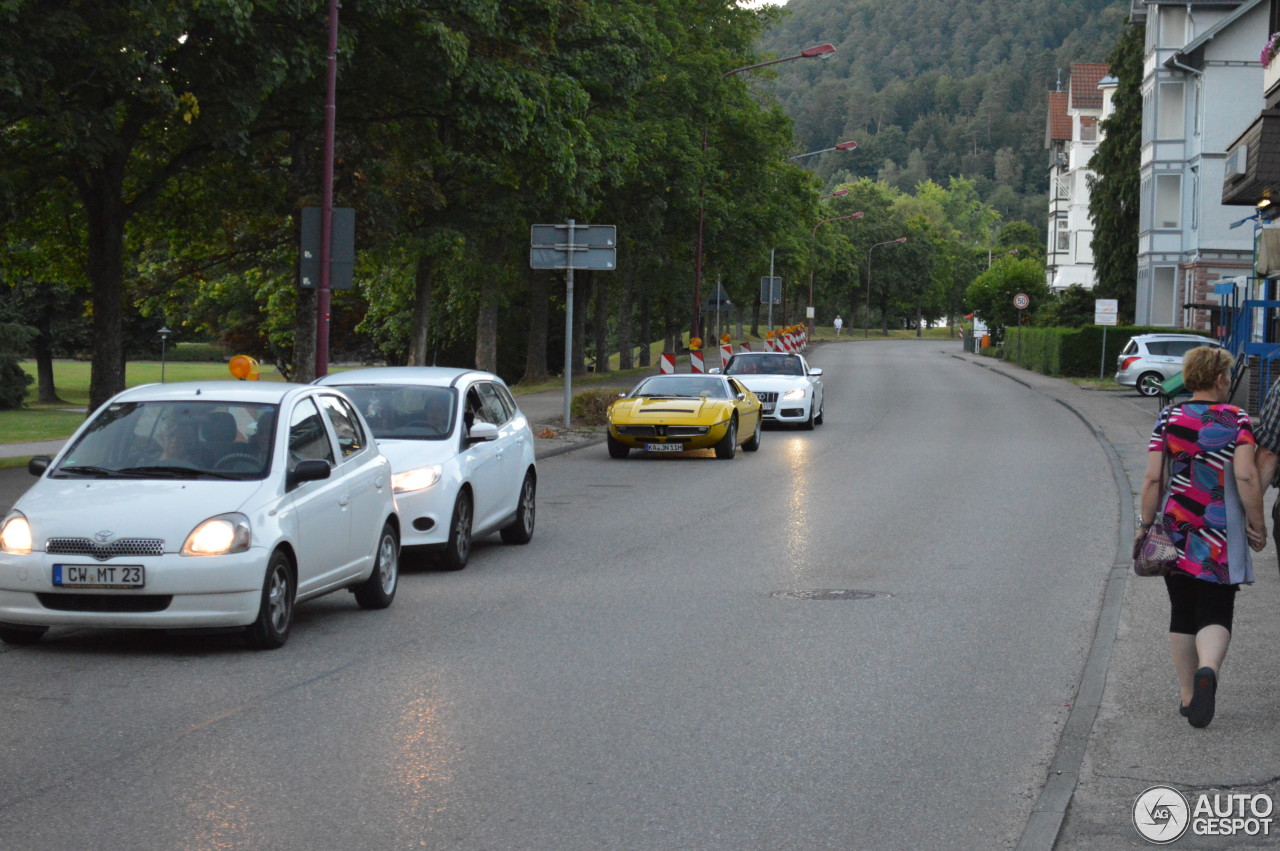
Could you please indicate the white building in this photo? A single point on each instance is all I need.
(1072, 135)
(1200, 59)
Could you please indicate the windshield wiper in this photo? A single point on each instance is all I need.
(174, 471)
(88, 470)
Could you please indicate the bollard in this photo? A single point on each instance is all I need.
(667, 363)
(726, 352)
(695, 362)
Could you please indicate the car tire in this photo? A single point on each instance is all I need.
(275, 613)
(754, 443)
(727, 448)
(379, 589)
(21, 634)
(458, 549)
(617, 449)
(807, 425)
(822, 414)
(520, 530)
(1149, 383)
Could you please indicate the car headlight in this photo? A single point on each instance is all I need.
(416, 480)
(15, 536)
(797, 393)
(217, 536)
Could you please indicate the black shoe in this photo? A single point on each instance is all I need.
(1184, 711)
(1204, 689)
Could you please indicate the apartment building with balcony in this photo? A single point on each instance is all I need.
(1071, 135)
(1200, 57)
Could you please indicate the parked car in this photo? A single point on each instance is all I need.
(675, 413)
(789, 390)
(1148, 360)
(202, 504)
(461, 449)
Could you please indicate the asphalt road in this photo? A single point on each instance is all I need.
(653, 671)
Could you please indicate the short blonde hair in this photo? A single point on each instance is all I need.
(1202, 365)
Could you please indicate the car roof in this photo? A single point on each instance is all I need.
(1174, 336)
(766, 354)
(436, 376)
(263, 392)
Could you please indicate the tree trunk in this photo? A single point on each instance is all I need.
(582, 281)
(626, 346)
(535, 359)
(646, 329)
(304, 338)
(102, 194)
(601, 325)
(755, 318)
(487, 327)
(420, 322)
(43, 346)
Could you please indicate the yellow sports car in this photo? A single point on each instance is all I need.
(673, 413)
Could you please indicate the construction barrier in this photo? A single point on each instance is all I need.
(726, 352)
(667, 363)
(744, 347)
(695, 362)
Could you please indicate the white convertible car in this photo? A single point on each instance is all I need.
(789, 389)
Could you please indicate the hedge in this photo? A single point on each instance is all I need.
(195, 352)
(1073, 352)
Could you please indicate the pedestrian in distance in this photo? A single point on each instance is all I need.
(1213, 512)
(839, 323)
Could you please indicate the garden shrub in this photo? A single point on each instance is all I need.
(14, 381)
(589, 407)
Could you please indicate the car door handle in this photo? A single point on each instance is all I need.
(344, 500)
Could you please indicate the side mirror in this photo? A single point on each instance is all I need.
(311, 470)
(815, 371)
(741, 397)
(715, 370)
(38, 464)
(622, 395)
(481, 432)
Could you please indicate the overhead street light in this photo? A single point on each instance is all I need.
(839, 193)
(813, 234)
(866, 328)
(843, 146)
(814, 52)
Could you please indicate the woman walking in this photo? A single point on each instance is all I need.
(1213, 512)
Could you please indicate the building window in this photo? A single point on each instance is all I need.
(1163, 283)
(1088, 130)
(1173, 26)
(1168, 205)
(1144, 208)
(1171, 112)
(1063, 244)
(1195, 198)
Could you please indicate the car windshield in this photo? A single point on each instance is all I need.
(405, 411)
(765, 365)
(692, 386)
(173, 440)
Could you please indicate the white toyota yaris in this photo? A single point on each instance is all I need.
(202, 504)
(461, 449)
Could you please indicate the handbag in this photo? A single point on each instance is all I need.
(1154, 553)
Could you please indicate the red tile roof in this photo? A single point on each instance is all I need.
(1085, 77)
(1059, 121)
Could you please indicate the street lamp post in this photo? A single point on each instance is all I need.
(808, 53)
(840, 146)
(813, 235)
(866, 323)
(164, 333)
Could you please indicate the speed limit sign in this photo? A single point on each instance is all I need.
(1021, 301)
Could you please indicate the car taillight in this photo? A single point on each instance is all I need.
(1127, 362)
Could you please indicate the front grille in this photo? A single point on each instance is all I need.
(105, 602)
(686, 431)
(637, 430)
(120, 547)
(766, 396)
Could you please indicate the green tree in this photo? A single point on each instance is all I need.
(1113, 194)
(992, 293)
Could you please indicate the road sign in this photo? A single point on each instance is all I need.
(1021, 301)
(573, 247)
(1106, 311)
(771, 290)
(342, 248)
(718, 302)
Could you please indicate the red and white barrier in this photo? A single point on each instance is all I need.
(726, 352)
(695, 362)
(667, 363)
(744, 347)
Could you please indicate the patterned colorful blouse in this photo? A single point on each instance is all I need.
(1202, 438)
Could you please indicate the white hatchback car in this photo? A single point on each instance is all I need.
(788, 388)
(199, 505)
(461, 449)
(1148, 360)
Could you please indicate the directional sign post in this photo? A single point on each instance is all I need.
(572, 246)
(1021, 302)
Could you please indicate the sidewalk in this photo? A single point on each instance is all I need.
(1124, 734)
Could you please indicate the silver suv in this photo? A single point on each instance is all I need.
(1149, 359)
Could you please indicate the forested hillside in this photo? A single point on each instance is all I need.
(936, 88)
